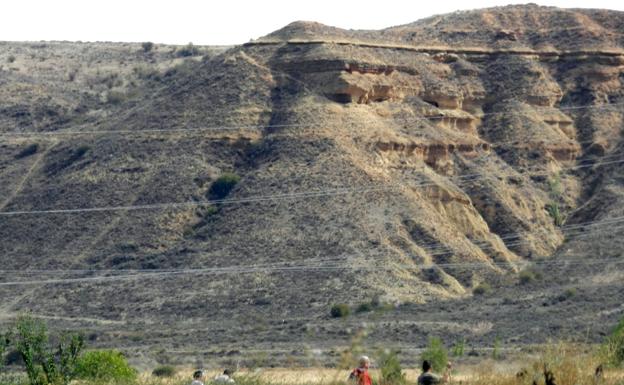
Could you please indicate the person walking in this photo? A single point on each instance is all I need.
(429, 378)
(360, 374)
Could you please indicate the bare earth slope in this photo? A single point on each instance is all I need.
(410, 165)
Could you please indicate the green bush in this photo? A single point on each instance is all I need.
(555, 213)
(45, 365)
(4, 344)
(222, 186)
(436, 354)
(482, 289)
(613, 348)
(340, 310)
(164, 371)
(458, 348)
(105, 365)
(390, 368)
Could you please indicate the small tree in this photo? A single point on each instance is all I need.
(45, 365)
(391, 372)
(458, 348)
(340, 310)
(436, 354)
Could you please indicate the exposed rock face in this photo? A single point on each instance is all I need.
(409, 164)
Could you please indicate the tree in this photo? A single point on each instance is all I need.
(45, 364)
(436, 354)
(391, 372)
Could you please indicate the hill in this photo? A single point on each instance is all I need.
(475, 152)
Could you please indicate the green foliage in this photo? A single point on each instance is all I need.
(5, 341)
(436, 354)
(29, 150)
(458, 348)
(496, 350)
(105, 365)
(188, 50)
(222, 186)
(528, 276)
(147, 46)
(567, 294)
(164, 371)
(340, 310)
(482, 289)
(390, 368)
(555, 213)
(612, 349)
(373, 305)
(45, 365)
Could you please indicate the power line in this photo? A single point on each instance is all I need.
(274, 197)
(268, 126)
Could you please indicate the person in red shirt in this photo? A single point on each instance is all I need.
(360, 374)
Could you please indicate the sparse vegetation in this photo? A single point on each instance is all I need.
(390, 368)
(459, 347)
(436, 354)
(340, 310)
(11, 59)
(188, 50)
(612, 350)
(496, 349)
(374, 305)
(555, 213)
(528, 276)
(482, 289)
(164, 371)
(105, 365)
(222, 186)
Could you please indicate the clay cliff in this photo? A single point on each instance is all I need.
(410, 165)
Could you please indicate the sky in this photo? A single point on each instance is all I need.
(220, 22)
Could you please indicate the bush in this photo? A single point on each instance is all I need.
(390, 368)
(147, 46)
(458, 348)
(340, 310)
(115, 97)
(45, 365)
(11, 59)
(613, 348)
(31, 149)
(221, 187)
(4, 344)
(528, 276)
(188, 50)
(482, 289)
(105, 365)
(555, 213)
(164, 371)
(436, 354)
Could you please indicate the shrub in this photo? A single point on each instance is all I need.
(482, 289)
(4, 344)
(390, 368)
(436, 354)
(340, 310)
(528, 276)
(11, 59)
(221, 187)
(147, 46)
(364, 307)
(496, 350)
(115, 97)
(31, 149)
(105, 365)
(458, 348)
(613, 347)
(45, 365)
(188, 50)
(164, 371)
(555, 213)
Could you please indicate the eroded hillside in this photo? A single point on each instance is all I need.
(411, 165)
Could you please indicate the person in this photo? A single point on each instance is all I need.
(225, 378)
(360, 374)
(198, 376)
(428, 378)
